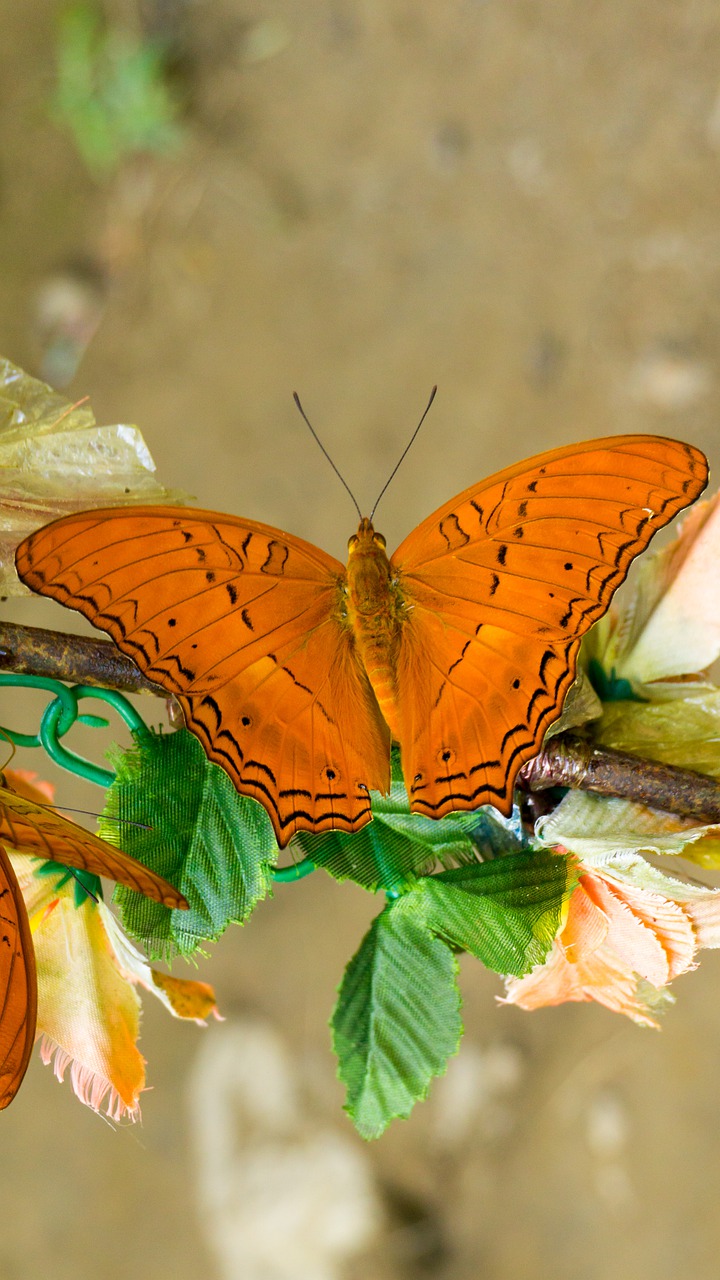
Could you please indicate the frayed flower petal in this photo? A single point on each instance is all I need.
(87, 1010)
(88, 1086)
(571, 973)
(653, 931)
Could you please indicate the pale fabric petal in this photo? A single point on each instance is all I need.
(183, 997)
(88, 1013)
(88, 1009)
(676, 617)
(629, 938)
(578, 973)
(603, 830)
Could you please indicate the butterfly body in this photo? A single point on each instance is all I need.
(376, 611)
(295, 673)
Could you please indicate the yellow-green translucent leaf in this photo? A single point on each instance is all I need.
(682, 731)
(55, 459)
(604, 830)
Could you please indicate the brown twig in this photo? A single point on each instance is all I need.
(565, 761)
(571, 761)
(34, 651)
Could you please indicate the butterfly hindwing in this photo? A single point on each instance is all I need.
(18, 984)
(501, 584)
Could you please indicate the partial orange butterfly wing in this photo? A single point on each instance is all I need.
(248, 626)
(503, 582)
(244, 624)
(43, 832)
(18, 984)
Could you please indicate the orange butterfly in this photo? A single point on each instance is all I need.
(295, 673)
(30, 828)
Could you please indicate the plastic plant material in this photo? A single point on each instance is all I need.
(397, 845)
(88, 973)
(55, 459)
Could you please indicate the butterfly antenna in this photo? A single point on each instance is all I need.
(405, 450)
(318, 441)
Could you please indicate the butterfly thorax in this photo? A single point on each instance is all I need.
(375, 612)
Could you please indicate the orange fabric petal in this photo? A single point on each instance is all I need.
(615, 934)
(27, 784)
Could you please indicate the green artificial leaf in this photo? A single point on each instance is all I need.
(397, 1018)
(85, 883)
(505, 912)
(398, 845)
(180, 815)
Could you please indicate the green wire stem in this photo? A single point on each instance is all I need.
(62, 713)
(298, 871)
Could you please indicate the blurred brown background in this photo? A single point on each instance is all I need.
(518, 200)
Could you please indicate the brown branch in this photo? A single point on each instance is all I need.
(34, 651)
(565, 761)
(571, 761)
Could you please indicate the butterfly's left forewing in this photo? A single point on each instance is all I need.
(500, 586)
(18, 984)
(245, 625)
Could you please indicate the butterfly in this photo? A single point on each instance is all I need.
(296, 672)
(31, 828)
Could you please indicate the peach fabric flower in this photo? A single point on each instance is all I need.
(622, 942)
(88, 972)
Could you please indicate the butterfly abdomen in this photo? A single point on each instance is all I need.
(375, 613)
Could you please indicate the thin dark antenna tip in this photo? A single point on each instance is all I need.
(405, 450)
(319, 442)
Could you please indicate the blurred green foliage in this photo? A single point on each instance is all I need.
(112, 95)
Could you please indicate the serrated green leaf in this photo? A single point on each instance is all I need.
(506, 912)
(397, 1018)
(216, 846)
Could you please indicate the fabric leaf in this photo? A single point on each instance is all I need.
(506, 912)
(397, 1018)
(398, 845)
(179, 812)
